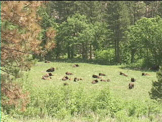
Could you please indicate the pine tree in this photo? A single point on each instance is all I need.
(118, 21)
(20, 33)
(156, 91)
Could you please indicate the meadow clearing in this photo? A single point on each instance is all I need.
(83, 101)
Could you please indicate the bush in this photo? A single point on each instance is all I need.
(105, 56)
(156, 91)
(66, 102)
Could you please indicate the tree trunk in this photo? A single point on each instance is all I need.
(72, 51)
(68, 50)
(132, 55)
(115, 50)
(86, 50)
(90, 51)
(58, 50)
(118, 52)
(83, 51)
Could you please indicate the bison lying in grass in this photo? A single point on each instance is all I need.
(68, 73)
(76, 65)
(52, 69)
(131, 85)
(95, 76)
(77, 79)
(108, 80)
(65, 78)
(121, 73)
(101, 74)
(145, 74)
(94, 81)
(46, 78)
(133, 80)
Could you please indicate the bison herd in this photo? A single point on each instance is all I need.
(98, 77)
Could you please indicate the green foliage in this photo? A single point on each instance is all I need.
(145, 40)
(118, 21)
(75, 31)
(156, 91)
(105, 56)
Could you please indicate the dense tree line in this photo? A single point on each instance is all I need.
(109, 32)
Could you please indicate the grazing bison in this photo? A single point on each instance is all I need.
(101, 74)
(65, 84)
(52, 69)
(133, 80)
(94, 81)
(145, 74)
(95, 76)
(65, 78)
(131, 85)
(68, 73)
(123, 74)
(155, 68)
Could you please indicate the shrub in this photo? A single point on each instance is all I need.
(105, 56)
(156, 91)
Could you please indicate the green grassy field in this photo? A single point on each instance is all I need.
(118, 84)
(46, 94)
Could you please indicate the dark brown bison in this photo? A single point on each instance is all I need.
(65, 78)
(121, 73)
(133, 80)
(94, 81)
(75, 79)
(52, 69)
(50, 74)
(95, 76)
(76, 65)
(101, 74)
(145, 74)
(68, 73)
(131, 85)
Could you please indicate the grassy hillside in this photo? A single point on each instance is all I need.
(83, 101)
